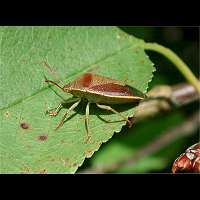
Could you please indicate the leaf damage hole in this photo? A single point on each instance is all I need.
(43, 137)
(24, 125)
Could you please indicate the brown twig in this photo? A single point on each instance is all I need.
(184, 129)
(164, 98)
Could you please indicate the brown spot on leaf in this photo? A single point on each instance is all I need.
(74, 164)
(88, 153)
(24, 125)
(52, 160)
(142, 61)
(43, 137)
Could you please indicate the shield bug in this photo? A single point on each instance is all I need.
(99, 90)
(188, 161)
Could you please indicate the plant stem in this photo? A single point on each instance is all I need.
(163, 98)
(183, 68)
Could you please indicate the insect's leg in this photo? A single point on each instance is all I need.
(65, 115)
(87, 114)
(52, 71)
(114, 111)
(55, 111)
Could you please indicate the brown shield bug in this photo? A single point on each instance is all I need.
(188, 161)
(100, 90)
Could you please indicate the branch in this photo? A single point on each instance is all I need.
(163, 99)
(186, 128)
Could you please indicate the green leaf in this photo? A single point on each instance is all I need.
(25, 97)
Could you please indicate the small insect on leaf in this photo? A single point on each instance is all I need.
(99, 90)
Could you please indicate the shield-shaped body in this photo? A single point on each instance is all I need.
(99, 89)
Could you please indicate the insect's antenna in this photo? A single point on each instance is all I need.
(49, 81)
(53, 72)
